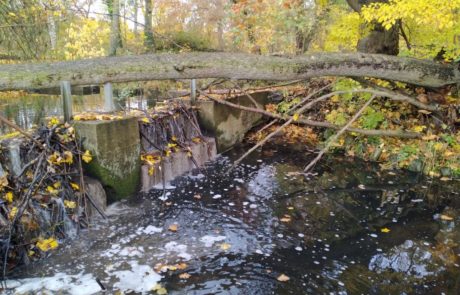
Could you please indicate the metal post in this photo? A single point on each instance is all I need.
(193, 91)
(109, 105)
(66, 95)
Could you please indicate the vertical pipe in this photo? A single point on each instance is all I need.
(193, 91)
(66, 100)
(109, 105)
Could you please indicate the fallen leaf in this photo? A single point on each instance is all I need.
(87, 157)
(75, 186)
(184, 276)
(47, 244)
(182, 265)
(8, 197)
(385, 230)
(198, 197)
(445, 178)
(70, 204)
(295, 117)
(173, 227)
(446, 217)
(285, 218)
(283, 278)
(159, 289)
(225, 246)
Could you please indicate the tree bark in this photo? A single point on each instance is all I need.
(379, 39)
(149, 41)
(115, 34)
(227, 66)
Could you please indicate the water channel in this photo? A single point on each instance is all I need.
(266, 229)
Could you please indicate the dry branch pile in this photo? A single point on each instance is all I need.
(44, 202)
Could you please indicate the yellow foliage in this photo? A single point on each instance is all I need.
(70, 204)
(75, 186)
(47, 244)
(86, 38)
(8, 197)
(87, 157)
(13, 213)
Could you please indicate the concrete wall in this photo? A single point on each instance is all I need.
(115, 147)
(229, 125)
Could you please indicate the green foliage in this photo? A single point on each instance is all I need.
(371, 119)
(284, 106)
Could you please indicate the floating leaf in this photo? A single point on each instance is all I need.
(283, 278)
(184, 276)
(173, 227)
(225, 246)
(446, 217)
(385, 230)
(87, 157)
(47, 244)
(159, 289)
(197, 196)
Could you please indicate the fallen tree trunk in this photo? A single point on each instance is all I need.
(226, 65)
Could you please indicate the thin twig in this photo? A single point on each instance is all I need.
(337, 135)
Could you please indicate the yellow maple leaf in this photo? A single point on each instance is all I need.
(70, 204)
(68, 157)
(225, 246)
(13, 213)
(75, 186)
(385, 230)
(87, 157)
(47, 244)
(8, 197)
(52, 190)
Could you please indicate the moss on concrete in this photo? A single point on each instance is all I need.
(115, 147)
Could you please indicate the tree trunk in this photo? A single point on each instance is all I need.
(136, 11)
(149, 41)
(379, 39)
(115, 34)
(226, 65)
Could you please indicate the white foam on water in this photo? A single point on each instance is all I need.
(141, 278)
(81, 284)
(210, 240)
(180, 249)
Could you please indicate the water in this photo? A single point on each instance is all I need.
(31, 110)
(238, 233)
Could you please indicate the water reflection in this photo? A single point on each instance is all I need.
(265, 219)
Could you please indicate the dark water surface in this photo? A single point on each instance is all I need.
(263, 220)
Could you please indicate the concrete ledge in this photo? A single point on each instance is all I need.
(115, 147)
(229, 125)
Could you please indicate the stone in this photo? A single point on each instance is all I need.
(115, 147)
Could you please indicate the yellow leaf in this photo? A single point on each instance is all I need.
(145, 120)
(151, 170)
(53, 122)
(225, 246)
(47, 244)
(13, 213)
(87, 156)
(438, 146)
(283, 278)
(184, 276)
(196, 139)
(70, 204)
(173, 227)
(159, 289)
(8, 197)
(419, 129)
(174, 138)
(385, 230)
(171, 145)
(75, 186)
(295, 117)
(446, 217)
(52, 190)
(57, 184)
(68, 157)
